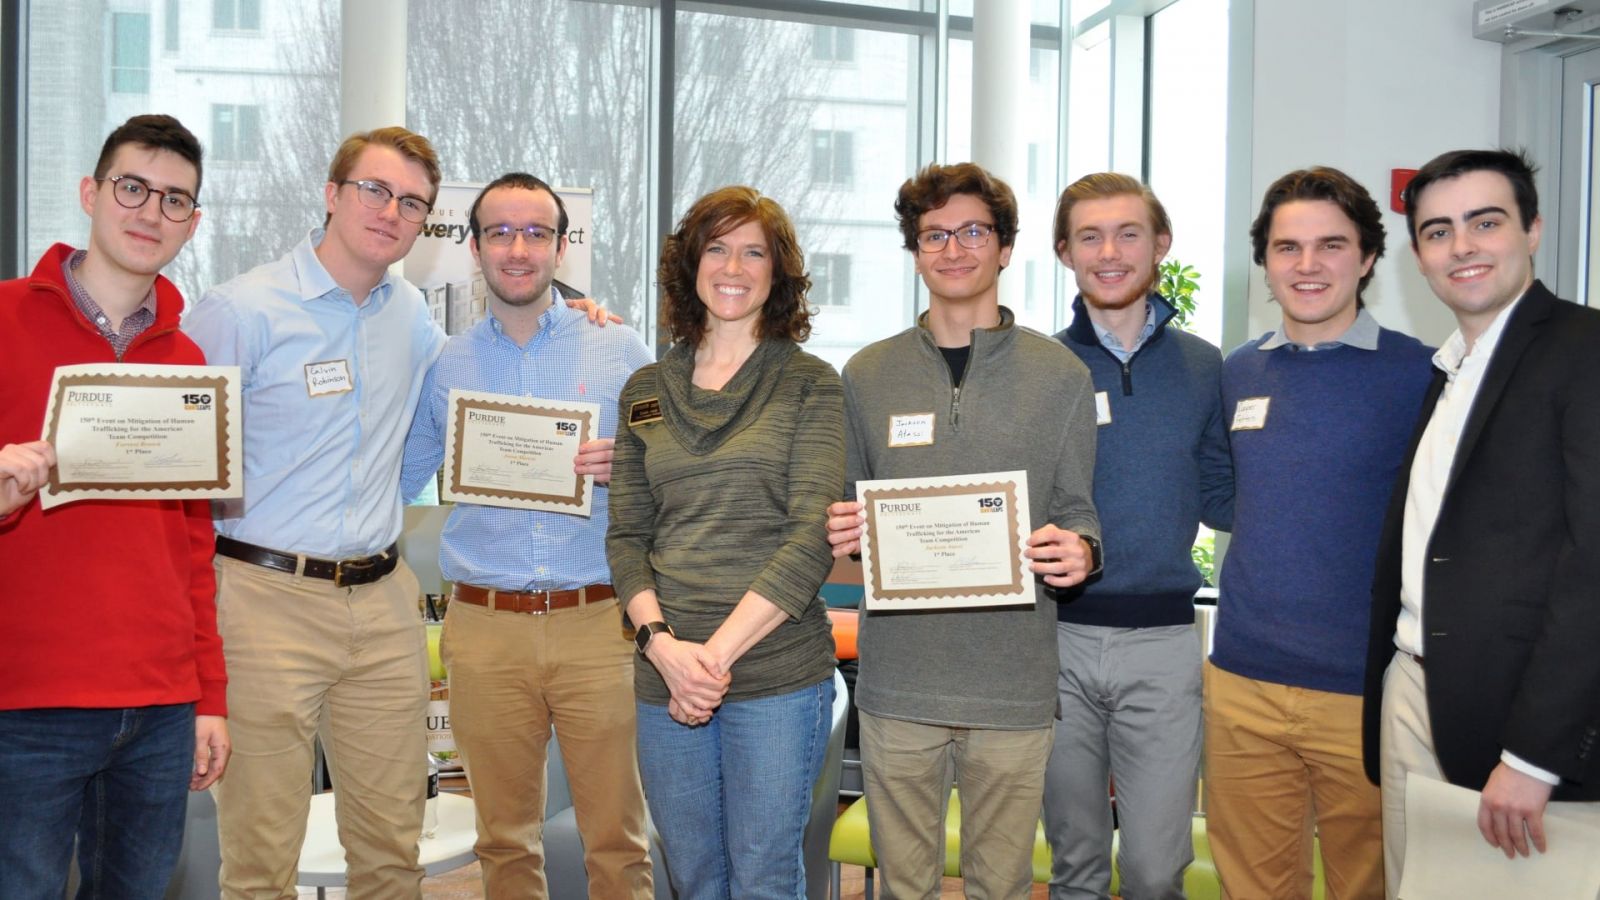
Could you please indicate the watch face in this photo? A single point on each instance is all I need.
(641, 638)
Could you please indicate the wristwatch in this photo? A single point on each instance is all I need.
(1097, 558)
(648, 630)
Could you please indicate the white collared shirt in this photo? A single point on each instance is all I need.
(1430, 474)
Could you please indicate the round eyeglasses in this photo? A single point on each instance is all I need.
(131, 192)
(374, 195)
(971, 236)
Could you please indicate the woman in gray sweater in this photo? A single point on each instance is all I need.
(728, 453)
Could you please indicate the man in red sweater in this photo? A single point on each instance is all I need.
(112, 689)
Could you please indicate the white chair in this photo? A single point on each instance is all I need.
(322, 857)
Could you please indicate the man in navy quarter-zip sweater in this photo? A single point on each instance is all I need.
(1129, 683)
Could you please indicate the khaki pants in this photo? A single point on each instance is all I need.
(301, 651)
(1405, 745)
(1278, 760)
(513, 676)
(1000, 774)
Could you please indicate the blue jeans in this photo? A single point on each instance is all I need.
(117, 778)
(731, 798)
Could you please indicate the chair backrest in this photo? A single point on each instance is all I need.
(419, 544)
(825, 797)
(200, 860)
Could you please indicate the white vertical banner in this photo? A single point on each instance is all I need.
(440, 263)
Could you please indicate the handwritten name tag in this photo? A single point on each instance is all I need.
(332, 377)
(913, 430)
(1250, 414)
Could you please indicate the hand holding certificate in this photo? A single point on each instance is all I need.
(517, 452)
(940, 543)
(139, 432)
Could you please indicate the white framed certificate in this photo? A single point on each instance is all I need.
(125, 431)
(946, 543)
(517, 452)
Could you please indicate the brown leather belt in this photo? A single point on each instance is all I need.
(535, 603)
(342, 572)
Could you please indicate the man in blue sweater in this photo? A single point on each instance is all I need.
(1320, 414)
(1129, 683)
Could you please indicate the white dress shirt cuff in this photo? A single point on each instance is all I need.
(1528, 768)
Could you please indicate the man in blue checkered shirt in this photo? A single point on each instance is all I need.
(534, 634)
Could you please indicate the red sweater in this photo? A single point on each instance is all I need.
(106, 603)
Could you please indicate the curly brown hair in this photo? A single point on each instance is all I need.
(935, 185)
(785, 314)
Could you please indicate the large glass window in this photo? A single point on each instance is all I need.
(496, 99)
(224, 89)
(1188, 141)
(828, 112)
(828, 142)
(1089, 104)
(1032, 299)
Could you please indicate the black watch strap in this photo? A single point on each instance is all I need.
(1097, 559)
(648, 630)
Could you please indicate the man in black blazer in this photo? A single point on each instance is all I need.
(1484, 662)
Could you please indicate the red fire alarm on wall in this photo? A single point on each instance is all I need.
(1398, 179)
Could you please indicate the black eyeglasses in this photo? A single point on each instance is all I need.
(377, 196)
(505, 235)
(971, 236)
(131, 192)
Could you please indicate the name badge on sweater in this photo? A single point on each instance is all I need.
(1102, 408)
(1250, 414)
(643, 412)
(912, 430)
(331, 377)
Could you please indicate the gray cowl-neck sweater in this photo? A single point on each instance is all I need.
(727, 492)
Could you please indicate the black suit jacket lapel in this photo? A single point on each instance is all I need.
(1520, 331)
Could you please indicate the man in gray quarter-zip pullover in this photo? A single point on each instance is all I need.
(966, 391)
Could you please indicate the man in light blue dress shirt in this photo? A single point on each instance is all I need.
(534, 634)
(318, 615)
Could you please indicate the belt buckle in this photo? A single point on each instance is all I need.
(359, 566)
(546, 610)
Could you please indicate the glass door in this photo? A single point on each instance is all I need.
(1578, 258)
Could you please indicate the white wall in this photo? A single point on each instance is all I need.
(1368, 86)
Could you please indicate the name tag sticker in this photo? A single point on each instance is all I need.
(1102, 408)
(911, 430)
(332, 377)
(643, 412)
(1251, 414)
